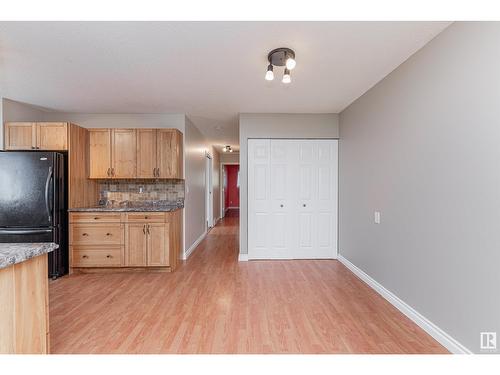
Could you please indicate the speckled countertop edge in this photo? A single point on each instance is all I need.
(13, 253)
(127, 209)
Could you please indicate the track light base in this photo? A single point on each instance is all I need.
(278, 56)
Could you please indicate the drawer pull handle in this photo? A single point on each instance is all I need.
(108, 234)
(109, 256)
(146, 217)
(85, 256)
(85, 234)
(96, 218)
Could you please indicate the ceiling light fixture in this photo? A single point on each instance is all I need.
(281, 57)
(227, 149)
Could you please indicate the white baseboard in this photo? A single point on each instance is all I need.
(194, 245)
(243, 258)
(437, 333)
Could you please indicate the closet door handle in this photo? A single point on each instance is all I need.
(144, 229)
(147, 228)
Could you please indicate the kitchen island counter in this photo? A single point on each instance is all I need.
(14, 253)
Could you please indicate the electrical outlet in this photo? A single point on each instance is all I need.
(376, 217)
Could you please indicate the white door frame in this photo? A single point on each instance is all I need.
(209, 216)
(221, 174)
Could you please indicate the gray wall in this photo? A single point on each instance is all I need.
(194, 153)
(423, 148)
(230, 157)
(119, 120)
(268, 125)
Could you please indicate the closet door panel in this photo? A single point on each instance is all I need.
(259, 198)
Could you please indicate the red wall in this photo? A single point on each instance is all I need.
(232, 192)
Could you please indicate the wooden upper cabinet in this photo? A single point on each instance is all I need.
(169, 153)
(158, 244)
(124, 154)
(36, 136)
(20, 136)
(135, 153)
(146, 153)
(52, 135)
(100, 153)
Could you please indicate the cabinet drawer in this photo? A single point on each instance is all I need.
(96, 234)
(146, 217)
(94, 217)
(96, 256)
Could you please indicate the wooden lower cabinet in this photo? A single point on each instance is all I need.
(158, 246)
(124, 240)
(135, 245)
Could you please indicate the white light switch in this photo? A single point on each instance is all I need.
(376, 217)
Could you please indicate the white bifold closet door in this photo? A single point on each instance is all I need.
(292, 198)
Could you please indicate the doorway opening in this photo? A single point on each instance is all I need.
(230, 190)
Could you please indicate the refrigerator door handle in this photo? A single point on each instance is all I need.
(25, 231)
(47, 186)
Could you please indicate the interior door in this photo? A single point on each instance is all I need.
(146, 153)
(135, 245)
(124, 158)
(292, 199)
(100, 153)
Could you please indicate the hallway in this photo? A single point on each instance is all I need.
(215, 304)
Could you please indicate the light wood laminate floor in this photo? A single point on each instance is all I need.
(215, 304)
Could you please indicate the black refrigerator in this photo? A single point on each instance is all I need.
(33, 202)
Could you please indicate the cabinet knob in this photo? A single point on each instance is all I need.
(281, 205)
(109, 256)
(85, 256)
(146, 217)
(85, 234)
(96, 218)
(108, 234)
(304, 205)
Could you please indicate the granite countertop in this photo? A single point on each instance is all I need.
(13, 253)
(131, 208)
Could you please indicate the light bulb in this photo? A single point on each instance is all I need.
(224, 149)
(290, 63)
(269, 73)
(230, 150)
(286, 77)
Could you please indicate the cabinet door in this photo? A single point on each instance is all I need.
(100, 153)
(146, 153)
(158, 246)
(169, 153)
(20, 136)
(124, 154)
(135, 245)
(52, 135)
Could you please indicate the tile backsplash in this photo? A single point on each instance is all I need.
(133, 190)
